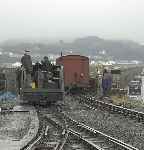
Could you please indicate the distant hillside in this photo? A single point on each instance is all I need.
(91, 45)
(119, 49)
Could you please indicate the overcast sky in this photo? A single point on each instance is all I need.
(120, 19)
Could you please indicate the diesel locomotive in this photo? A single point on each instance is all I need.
(47, 85)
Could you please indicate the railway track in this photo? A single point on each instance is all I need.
(70, 139)
(93, 103)
(49, 136)
(30, 146)
(73, 135)
(95, 139)
(79, 136)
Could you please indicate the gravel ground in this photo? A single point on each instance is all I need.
(14, 125)
(124, 129)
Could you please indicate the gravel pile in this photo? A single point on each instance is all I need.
(124, 129)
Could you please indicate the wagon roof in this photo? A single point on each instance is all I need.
(74, 56)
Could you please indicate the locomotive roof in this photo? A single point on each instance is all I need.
(73, 56)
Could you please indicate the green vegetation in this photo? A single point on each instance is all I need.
(127, 102)
(138, 104)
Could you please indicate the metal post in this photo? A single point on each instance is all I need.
(6, 88)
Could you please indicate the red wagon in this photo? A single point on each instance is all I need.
(76, 70)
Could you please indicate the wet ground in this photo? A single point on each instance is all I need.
(15, 128)
(14, 125)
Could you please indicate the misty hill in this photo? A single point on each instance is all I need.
(119, 49)
(91, 45)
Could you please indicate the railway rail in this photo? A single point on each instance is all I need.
(13, 111)
(35, 139)
(75, 135)
(82, 136)
(43, 139)
(94, 103)
(94, 138)
(70, 138)
(30, 146)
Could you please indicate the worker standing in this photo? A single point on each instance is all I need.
(106, 82)
(27, 65)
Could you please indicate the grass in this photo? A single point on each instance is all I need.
(127, 102)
